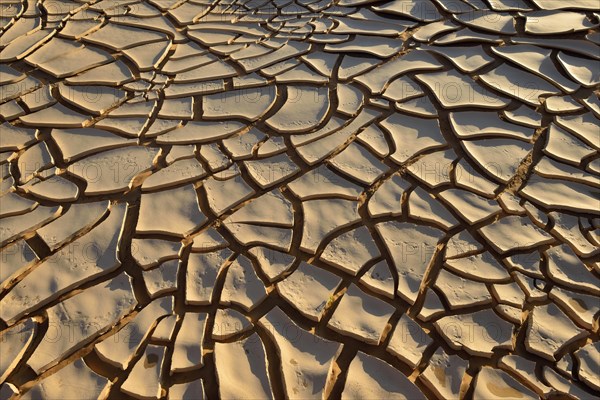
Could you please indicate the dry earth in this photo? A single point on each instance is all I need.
(248, 199)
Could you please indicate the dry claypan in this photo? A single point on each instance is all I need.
(313, 199)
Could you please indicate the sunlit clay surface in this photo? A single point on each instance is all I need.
(256, 199)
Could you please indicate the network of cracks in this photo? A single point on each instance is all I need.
(299, 199)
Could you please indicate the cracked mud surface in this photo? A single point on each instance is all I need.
(311, 199)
